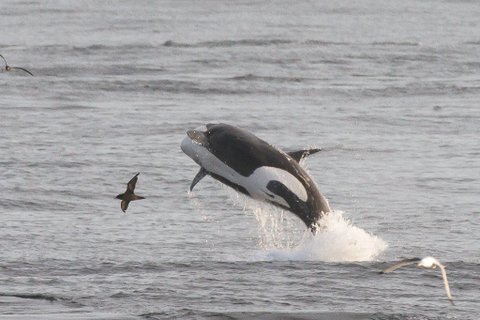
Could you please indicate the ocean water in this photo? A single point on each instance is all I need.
(389, 90)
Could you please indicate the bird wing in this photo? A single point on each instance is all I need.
(131, 184)
(23, 69)
(124, 205)
(445, 282)
(400, 264)
(6, 64)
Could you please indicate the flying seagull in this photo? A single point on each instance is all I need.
(129, 194)
(427, 262)
(9, 68)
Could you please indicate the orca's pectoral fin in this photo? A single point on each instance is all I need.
(201, 173)
(300, 154)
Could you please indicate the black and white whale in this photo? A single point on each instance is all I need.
(252, 166)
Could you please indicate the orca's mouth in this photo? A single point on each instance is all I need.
(198, 137)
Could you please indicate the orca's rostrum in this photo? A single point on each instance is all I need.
(252, 166)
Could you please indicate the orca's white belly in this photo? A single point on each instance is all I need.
(255, 184)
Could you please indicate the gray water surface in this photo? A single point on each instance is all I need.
(389, 90)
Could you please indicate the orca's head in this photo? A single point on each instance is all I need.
(196, 144)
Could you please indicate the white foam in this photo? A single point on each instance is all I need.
(282, 236)
(338, 241)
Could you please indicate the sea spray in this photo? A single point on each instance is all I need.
(337, 241)
(283, 236)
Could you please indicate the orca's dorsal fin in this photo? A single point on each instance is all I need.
(300, 154)
(201, 173)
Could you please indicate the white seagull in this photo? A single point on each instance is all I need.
(428, 263)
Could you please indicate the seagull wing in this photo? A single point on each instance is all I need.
(131, 184)
(124, 205)
(445, 282)
(23, 69)
(400, 264)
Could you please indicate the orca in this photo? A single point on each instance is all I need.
(257, 169)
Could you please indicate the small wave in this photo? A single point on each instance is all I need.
(120, 294)
(170, 86)
(473, 43)
(254, 77)
(71, 107)
(34, 296)
(92, 47)
(326, 43)
(170, 43)
(227, 43)
(44, 297)
(349, 149)
(397, 44)
(331, 61)
(252, 43)
(98, 47)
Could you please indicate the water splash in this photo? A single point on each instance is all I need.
(282, 236)
(338, 241)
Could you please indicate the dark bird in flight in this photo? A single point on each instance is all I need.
(129, 194)
(9, 68)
